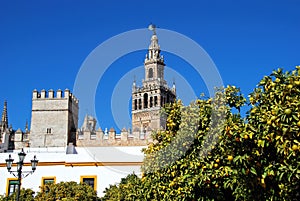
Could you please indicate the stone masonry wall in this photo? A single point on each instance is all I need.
(51, 118)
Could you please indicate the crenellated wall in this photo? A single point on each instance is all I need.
(109, 138)
(50, 94)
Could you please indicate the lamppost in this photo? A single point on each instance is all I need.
(20, 174)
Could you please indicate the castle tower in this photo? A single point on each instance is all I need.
(54, 119)
(148, 100)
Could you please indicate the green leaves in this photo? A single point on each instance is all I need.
(67, 190)
(70, 191)
(277, 109)
(226, 157)
(127, 189)
(25, 195)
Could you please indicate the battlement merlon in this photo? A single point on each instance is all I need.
(50, 94)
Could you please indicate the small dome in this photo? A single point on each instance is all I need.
(154, 37)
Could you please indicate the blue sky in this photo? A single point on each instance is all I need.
(43, 44)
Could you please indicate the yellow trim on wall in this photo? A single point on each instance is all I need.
(7, 183)
(49, 163)
(48, 177)
(88, 177)
(68, 164)
(103, 164)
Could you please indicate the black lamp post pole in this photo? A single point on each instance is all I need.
(19, 171)
(19, 179)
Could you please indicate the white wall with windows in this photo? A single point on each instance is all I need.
(98, 166)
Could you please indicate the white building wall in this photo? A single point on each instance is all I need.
(70, 168)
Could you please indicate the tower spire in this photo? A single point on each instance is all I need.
(154, 62)
(4, 119)
(154, 43)
(154, 48)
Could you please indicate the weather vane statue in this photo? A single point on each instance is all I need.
(152, 27)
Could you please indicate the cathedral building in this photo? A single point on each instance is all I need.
(67, 152)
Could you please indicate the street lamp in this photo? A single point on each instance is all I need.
(20, 174)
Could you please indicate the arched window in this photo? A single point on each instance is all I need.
(140, 104)
(150, 73)
(145, 100)
(135, 104)
(151, 101)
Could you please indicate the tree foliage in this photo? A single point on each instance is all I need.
(70, 191)
(210, 152)
(127, 189)
(25, 195)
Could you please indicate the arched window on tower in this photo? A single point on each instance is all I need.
(151, 101)
(140, 104)
(155, 101)
(145, 100)
(150, 73)
(135, 104)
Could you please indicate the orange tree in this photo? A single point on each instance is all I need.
(127, 189)
(25, 195)
(189, 160)
(273, 123)
(67, 191)
(184, 162)
(209, 152)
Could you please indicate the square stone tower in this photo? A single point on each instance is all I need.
(54, 119)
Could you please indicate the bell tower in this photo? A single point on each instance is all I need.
(148, 100)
